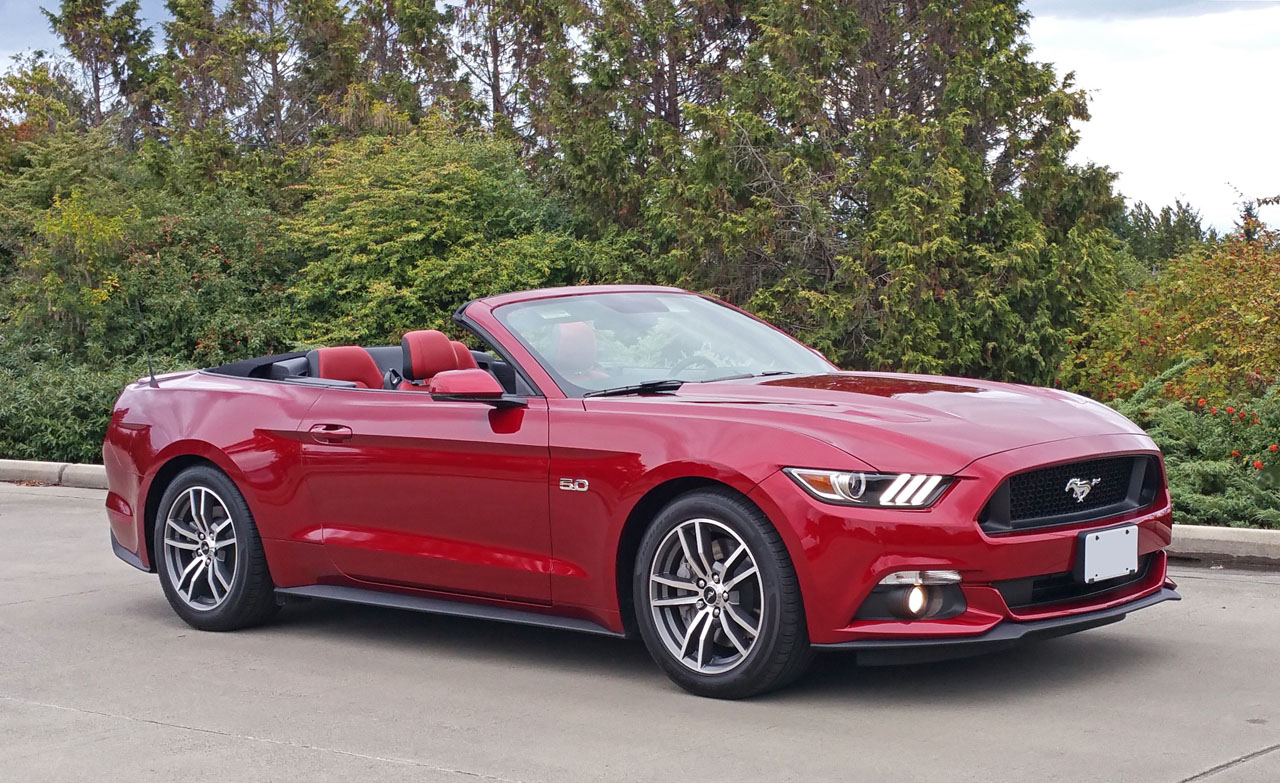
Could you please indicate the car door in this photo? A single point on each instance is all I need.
(442, 495)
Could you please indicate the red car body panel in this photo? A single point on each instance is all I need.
(400, 492)
(475, 477)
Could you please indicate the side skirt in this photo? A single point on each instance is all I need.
(419, 603)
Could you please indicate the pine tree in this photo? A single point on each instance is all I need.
(204, 66)
(113, 49)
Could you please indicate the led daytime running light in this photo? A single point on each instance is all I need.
(899, 490)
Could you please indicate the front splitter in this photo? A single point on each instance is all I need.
(880, 652)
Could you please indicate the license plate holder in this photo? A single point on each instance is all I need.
(1107, 554)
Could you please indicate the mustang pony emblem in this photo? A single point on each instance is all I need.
(1080, 488)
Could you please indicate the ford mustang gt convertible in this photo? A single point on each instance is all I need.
(639, 460)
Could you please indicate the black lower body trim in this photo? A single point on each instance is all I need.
(430, 605)
(127, 556)
(1004, 634)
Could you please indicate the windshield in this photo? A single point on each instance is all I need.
(604, 341)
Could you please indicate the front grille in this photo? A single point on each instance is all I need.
(1043, 493)
(1057, 588)
(1045, 496)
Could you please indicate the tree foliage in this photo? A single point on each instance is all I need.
(397, 231)
(1155, 237)
(112, 47)
(1219, 304)
(105, 250)
(1222, 461)
(890, 181)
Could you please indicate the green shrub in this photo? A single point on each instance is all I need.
(1217, 303)
(1222, 458)
(53, 408)
(398, 231)
(103, 247)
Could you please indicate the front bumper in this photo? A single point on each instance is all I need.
(841, 553)
(1003, 635)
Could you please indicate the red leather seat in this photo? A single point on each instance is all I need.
(348, 363)
(426, 352)
(465, 360)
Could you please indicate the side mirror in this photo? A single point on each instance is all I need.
(470, 386)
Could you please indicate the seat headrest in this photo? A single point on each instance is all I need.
(347, 363)
(427, 352)
(575, 349)
(465, 360)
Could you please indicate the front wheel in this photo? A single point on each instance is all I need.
(212, 567)
(717, 600)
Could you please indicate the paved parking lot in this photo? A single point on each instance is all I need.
(99, 680)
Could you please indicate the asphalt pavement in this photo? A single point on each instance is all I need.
(100, 681)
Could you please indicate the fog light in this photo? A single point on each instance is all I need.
(921, 578)
(914, 595)
(916, 600)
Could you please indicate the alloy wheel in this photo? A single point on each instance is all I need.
(200, 549)
(706, 596)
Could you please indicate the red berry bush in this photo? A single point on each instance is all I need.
(1223, 463)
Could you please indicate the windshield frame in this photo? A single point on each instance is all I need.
(572, 390)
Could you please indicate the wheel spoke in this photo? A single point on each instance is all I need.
(195, 562)
(678, 584)
(730, 633)
(197, 513)
(749, 572)
(181, 544)
(683, 600)
(194, 570)
(728, 564)
(221, 526)
(693, 627)
(216, 568)
(221, 544)
(688, 556)
(702, 554)
(732, 611)
(702, 643)
(173, 525)
(213, 585)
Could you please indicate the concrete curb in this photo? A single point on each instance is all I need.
(1226, 545)
(61, 474)
(1200, 543)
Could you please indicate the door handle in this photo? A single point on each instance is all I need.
(330, 433)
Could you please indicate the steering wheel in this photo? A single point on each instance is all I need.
(695, 359)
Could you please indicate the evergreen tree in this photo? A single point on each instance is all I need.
(204, 66)
(1154, 238)
(113, 49)
(890, 180)
(406, 65)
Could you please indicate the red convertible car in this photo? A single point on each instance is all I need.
(640, 460)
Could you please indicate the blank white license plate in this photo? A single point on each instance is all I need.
(1110, 553)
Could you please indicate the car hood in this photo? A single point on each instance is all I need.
(915, 422)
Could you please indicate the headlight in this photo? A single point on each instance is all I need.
(889, 490)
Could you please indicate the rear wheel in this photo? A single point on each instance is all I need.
(716, 598)
(210, 559)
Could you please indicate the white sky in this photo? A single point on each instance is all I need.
(1184, 106)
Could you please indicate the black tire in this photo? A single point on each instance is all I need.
(780, 652)
(250, 598)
